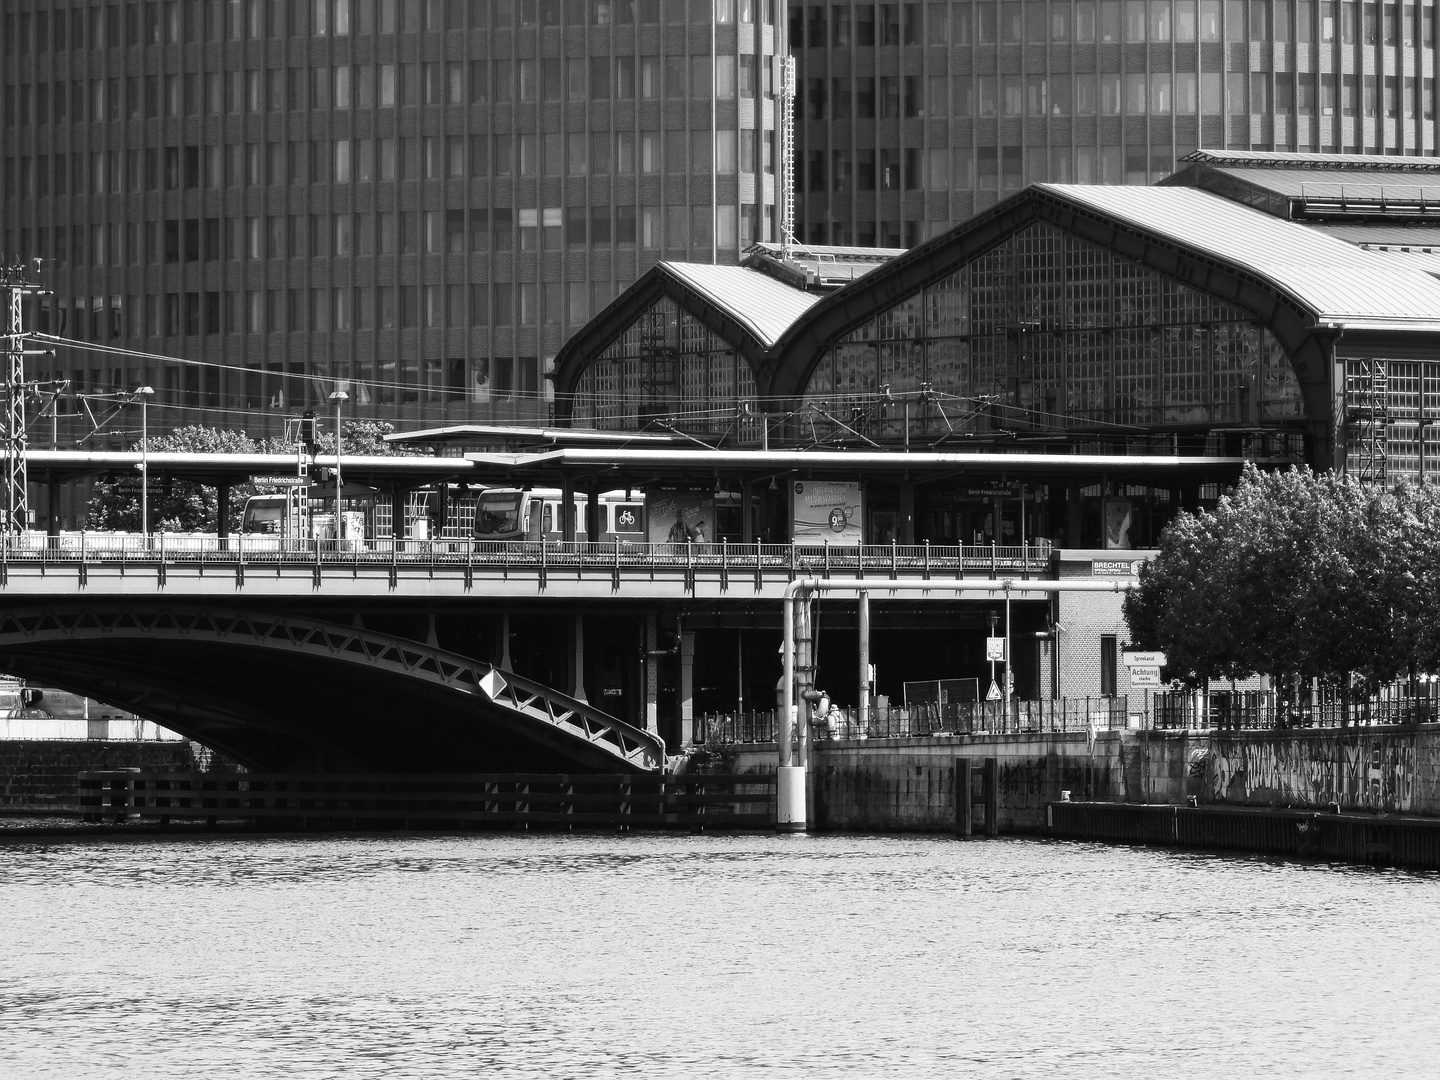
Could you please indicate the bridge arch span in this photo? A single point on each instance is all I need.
(285, 692)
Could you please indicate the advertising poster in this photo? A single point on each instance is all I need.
(824, 512)
(1117, 523)
(679, 517)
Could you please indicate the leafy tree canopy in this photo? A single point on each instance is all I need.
(1296, 575)
(178, 505)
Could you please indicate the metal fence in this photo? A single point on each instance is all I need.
(1261, 710)
(99, 547)
(956, 718)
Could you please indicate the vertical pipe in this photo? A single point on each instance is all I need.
(787, 680)
(864, 659)
(1009, 660)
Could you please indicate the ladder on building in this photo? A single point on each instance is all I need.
(1367, 419)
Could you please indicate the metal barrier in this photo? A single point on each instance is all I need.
(879, 560)
(921, 721)
(698, 800)
(1261, 710)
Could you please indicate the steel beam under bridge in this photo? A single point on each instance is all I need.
(280, 691)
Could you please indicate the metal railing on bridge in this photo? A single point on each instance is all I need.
(541, 557)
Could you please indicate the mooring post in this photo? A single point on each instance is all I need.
(992, 796)
(964, 798)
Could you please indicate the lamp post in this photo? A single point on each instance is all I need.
(339, 397)
(144, 394)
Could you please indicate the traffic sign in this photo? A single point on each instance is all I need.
(995, 648)
(1145, 659)
(1145, 678)
(993, 694)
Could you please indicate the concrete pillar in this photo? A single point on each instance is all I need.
(577, 660)
(442, 509)
(650, 707)
(567, 509)
(593, 531)
(397, 512)
(52, 506)
(906, 530)
(864, 659)
(687, 687)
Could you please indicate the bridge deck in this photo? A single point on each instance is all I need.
(131, 565)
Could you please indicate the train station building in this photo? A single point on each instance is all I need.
(1060, 374)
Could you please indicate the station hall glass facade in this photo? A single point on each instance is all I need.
(913, 116)
(416, 200)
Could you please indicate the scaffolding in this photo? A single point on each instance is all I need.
(1367, 419)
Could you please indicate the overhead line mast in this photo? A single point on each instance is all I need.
(19, 279)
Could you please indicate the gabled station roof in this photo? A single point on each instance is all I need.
(1318, 186)
(1337, 281)
(760, 303)
(817, 267)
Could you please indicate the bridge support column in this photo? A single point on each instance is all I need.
(687, 687)
(577, 660)
(651, 707)
(502, 651)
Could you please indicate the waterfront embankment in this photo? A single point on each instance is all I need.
(908, 785)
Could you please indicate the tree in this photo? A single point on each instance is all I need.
(175, 505)
(1294, 575)
(187, 506)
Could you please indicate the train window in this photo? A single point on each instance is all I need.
(547, 520)
(629, 518)
(497, 514)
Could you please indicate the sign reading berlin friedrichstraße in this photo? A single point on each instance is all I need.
(1145, 659)
(280, 481)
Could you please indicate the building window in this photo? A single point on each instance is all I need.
(1107, 665)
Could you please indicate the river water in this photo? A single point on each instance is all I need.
(684, 956)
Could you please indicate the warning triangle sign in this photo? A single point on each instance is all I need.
(993, 694)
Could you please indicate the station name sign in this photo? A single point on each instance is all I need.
(1145, 659)
(281, 481)
(1114, 568)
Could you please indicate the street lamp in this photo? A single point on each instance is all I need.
(339, 397)
(144, 394)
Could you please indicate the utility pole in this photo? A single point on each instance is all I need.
(19, 279)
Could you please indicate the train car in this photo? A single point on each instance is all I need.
(534, 514)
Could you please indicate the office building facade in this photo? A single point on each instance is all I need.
(413, 200)
(916, 115)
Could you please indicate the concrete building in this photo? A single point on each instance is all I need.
(415, 200)
(916, 115)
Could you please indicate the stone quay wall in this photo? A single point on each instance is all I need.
(42, 776)
(908, 785)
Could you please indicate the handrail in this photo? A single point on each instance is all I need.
(174, 549)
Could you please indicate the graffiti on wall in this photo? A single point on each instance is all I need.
(1360, 772)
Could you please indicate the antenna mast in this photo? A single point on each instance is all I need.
(787, 155)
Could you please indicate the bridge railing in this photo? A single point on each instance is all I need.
(98, 548)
